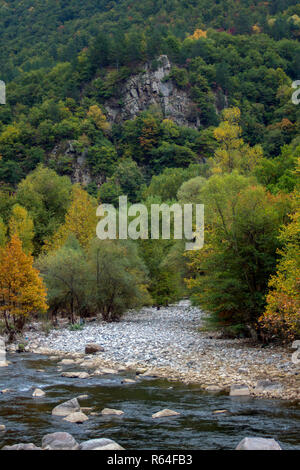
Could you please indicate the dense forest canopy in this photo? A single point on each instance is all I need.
(39, 33)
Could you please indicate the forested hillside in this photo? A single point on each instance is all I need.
(67, 63)
(36, 34)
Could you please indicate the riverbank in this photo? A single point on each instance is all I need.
(167, 343)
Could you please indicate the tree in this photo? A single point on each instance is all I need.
(46, 196)
(278, 174)
(66, 276)
(21, 224)
(3, 231)
(166, 281)
(281, 318)
(229, 276)
(233, 152)
(166, 184)
(22, 291)
(119, 277)
(96, 114)
(80, 220)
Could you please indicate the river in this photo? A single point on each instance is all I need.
(27, 419)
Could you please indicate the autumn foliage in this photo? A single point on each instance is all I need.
(22, 291)
(282, 315)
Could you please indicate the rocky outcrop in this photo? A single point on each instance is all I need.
(153, 88)
(66, 153)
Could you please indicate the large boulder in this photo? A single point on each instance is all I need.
(93, 348)
(258, 443)
(239, 391)
(66, 408)
(100, 444)
(59, 441)
(165, 414)
(22, 447)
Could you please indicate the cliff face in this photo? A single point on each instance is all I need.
(149, 88)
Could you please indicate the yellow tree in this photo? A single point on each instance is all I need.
(198, 33)
(233, 153)
(80, 220)
(21, 224)
(282, 315)
(99, 118)
(22, 291)
(3, 231)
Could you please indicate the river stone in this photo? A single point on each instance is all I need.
(267, 386)
(100, 444)
(93, 348)
(213, 388)
(111, 411)
(165, 413)
(128, 381)
(105, 370)
(66, 362)
(75, 375)
(77, 417)
(38, 393)
(2, 427)
(66, 408)
(258, 443)
(59, 441)
(22, 447)
(239, 391)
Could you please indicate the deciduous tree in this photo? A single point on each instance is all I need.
(22, 291)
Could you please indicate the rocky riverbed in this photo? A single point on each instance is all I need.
(168, 343)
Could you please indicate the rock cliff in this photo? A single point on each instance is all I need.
(152, 87)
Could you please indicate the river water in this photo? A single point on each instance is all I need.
(28, 419)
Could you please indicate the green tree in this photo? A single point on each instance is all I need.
(230, 275)
(119, 278)
(46, 196)
(67, 279)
